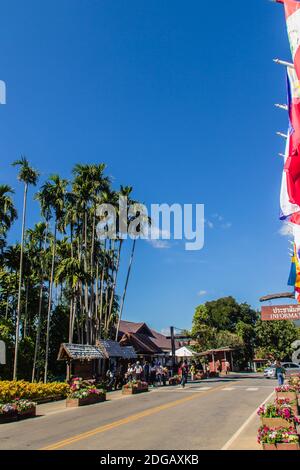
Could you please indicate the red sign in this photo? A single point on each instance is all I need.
(280, 312)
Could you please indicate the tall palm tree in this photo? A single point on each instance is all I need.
(28, 176)
(8, 213)
(52, 200)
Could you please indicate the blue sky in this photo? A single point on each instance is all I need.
(177, 98)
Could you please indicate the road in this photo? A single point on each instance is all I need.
(204, 415)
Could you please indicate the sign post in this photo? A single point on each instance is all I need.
(280, 312)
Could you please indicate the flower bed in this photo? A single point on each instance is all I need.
(134, 387)
(279, 414)
(287, 391)
(16, 410)
(278, 439)
(84, 393)
(9, 390)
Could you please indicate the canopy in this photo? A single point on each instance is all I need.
(185, 352)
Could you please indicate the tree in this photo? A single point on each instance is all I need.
(8, 213)
(52, 200)
(275, 338)
(28, 176)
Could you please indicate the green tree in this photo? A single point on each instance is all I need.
(275, 338)
(28, 176)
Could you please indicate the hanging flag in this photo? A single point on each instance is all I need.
(292, 159)
(287, 209)
(293, 272)
(292, 14)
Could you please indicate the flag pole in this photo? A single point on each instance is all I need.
(281, 134)
(282, 106)
(284, 62)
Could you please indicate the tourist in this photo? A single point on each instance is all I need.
(129, 374)
(279, 373)
(138, 370)
(146, 371)
(192, 371)
(184, 373)
(153, 374)
(227, 367)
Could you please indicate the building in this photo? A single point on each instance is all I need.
(149, 344)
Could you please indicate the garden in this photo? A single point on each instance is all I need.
(18, 399)
(280, 421)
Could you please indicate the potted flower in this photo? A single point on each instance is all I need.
(83, 393)
(291, 403)
(134, 386)
(8, 412)
(287, 391)
(277, 415)
(25, 408)
(278, 439)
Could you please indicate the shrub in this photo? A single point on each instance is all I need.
(9, 390)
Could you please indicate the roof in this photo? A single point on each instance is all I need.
(162, 341)
(128, 352)
(111, 348)
(213, 351)
(141, 343)
(132, 327)
(141, 328)
(79, 351)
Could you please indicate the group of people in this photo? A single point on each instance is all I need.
(151, 372)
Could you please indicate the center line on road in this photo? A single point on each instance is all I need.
(229, 389)
(128, 419)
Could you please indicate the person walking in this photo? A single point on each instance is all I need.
(227, 367)
(153, 374)
(146, 371)
(192, 371)
(184, 373)
(138, 370)
(279, 373)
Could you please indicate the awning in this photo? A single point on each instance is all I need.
(185, 352)
(79, 352)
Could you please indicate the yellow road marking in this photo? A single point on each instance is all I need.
(129, 419)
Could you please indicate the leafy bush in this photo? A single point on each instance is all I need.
(9, 390)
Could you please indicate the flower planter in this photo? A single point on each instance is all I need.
(29, 413)
(75, 402)
(277, 423)
(287, 395)
(133, 390)
(8, 418)
(282, 446)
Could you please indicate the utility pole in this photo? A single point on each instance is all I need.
(173, 347)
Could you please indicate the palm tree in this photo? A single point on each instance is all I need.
(52, 200)
(8, 213)
(28, 176)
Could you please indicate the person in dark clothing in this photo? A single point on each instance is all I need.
(146, 371)
(184, 373)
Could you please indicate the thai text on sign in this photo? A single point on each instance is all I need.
(280, 312)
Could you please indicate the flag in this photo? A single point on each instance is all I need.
(293, 272)
(287, 209)
(292, 14)
(292, 158)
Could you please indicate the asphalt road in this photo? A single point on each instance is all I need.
(204, 415)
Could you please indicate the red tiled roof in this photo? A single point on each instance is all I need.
(142, 332)
(141, 343)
